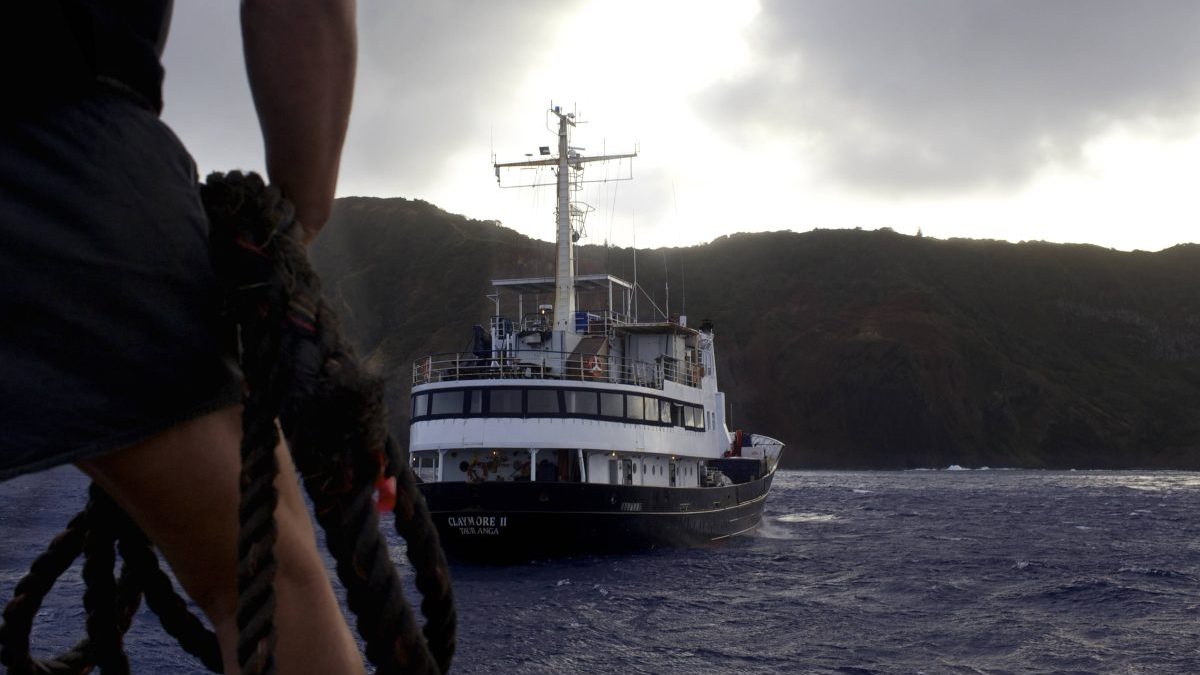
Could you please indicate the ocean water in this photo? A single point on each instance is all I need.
(853, 572)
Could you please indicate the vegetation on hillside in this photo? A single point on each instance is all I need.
(857, 348)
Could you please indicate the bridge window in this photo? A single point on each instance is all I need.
(664, 412)
(611, 405)
(446, 403)
(420, 405)
(543, 402)
(634, 407)
(581, 402)
(651, 409)
(476, 402)
(504, 401)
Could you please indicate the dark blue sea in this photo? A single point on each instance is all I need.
(986, 571)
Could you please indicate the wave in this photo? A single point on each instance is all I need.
(769, 530)
(1156, 572)
(808, 518)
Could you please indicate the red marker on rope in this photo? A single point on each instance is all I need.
(385, 494)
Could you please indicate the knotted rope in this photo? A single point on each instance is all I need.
(300, 371)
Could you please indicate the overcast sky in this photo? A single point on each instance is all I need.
(1057, 120)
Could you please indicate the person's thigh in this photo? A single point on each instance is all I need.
(181, 488)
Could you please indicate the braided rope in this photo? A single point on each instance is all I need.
(32, 589)
(333, 417)
(100, 590)
(141, 563)
(301, 371)
(414, 524)
(255, 297)
(256, 544)
(28, 596)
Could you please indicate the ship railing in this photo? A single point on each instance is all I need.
(537, 364)
(586, 322)
(600, 322)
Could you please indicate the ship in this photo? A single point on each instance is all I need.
(572, 427)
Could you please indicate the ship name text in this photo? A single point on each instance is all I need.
(476, 525)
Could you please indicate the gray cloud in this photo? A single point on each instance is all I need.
(206, 98)
(942, 95)
(432, 74)
(429, 73)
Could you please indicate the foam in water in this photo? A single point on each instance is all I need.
(807, 518)
(769, 530)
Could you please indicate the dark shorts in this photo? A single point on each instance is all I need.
(110, 330)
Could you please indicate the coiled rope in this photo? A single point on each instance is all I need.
(298, 370)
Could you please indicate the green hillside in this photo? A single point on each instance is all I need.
(857, 349)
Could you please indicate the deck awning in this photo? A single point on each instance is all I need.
(583, 282)
(657, 328)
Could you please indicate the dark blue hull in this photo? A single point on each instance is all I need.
(504, 522)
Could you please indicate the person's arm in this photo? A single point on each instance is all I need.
(300, 58)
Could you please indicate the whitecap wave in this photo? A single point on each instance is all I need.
(769, 530)
(807, 518)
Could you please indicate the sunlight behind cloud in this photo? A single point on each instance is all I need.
(629, 69)
(1132, 191)
(1129, 191)
(632, 71)
(627, 53)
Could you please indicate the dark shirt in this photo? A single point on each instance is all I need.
(55, 50)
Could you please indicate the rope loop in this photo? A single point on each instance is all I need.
(300, 371)
(331, 412)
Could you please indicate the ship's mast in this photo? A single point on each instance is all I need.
(567, 162)
(564, 272)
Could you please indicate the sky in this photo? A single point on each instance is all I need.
(1057, 120)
